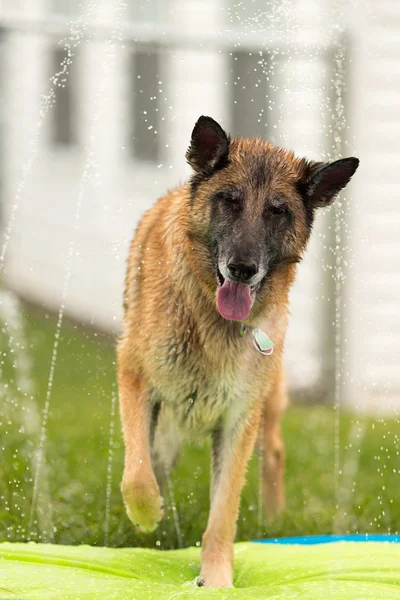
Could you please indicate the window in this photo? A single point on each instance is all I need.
(250, 91)
(63, 70)
(148, 11)
(145, 117)
(67, 8)
(242, 13)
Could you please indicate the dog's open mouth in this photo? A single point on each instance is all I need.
(234, 300)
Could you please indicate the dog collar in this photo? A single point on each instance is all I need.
(261, 341)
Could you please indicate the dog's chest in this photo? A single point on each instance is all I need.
(198, 388)
(197, 405)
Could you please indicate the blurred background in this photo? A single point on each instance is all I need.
(98, 99)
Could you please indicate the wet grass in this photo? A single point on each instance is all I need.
(72, 494)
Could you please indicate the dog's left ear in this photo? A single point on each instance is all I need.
(321, 182)
(209, 146)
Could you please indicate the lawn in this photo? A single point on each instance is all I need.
(78, 496)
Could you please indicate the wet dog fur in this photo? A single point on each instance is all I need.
(185, 371)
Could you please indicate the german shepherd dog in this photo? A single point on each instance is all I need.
(209, 272)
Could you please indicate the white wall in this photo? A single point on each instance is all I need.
(372, 358)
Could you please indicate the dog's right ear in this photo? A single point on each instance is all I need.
(209, 147)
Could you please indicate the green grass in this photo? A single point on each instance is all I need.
(73, 490)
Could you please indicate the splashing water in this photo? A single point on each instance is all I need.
(41, 503)
(339, 126)
(25, 412)
(260, 495)
(350, 466)
(174, 507)
(109, 469)
(349, 472)
(89, 172)
(345, 467)
(77, 31)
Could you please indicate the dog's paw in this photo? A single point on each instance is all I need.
(215, 577)
(143, 503)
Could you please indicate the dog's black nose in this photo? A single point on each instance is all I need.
(241, 272)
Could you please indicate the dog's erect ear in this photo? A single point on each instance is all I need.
(322, 181)
(209, 146)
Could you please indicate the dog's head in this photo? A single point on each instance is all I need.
(251, 211)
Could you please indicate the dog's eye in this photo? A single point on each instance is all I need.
(231, 200)
(278, 209)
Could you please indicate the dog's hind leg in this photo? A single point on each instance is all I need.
(232, 448)
(165, 446)
(272, 447)
(139, 486)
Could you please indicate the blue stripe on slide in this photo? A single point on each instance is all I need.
(326, 539)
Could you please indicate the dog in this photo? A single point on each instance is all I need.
(205, 317)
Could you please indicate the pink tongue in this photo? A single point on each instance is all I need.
(234, 300)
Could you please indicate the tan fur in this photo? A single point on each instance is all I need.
(176, 351)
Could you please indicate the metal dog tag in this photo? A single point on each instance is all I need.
(262, 342)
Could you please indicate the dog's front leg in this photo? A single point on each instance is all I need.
(139, 486)
(232, 448)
